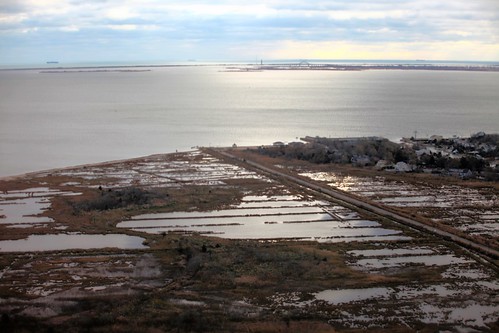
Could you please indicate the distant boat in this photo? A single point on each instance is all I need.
(52, 62)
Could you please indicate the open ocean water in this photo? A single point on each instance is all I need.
(52, 120)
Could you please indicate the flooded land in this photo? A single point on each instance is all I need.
(205, 241)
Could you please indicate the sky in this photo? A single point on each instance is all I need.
(72, 31)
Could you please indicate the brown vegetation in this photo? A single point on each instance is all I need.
(186, 283)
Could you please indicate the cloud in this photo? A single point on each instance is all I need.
(450, 50)
(387, 28)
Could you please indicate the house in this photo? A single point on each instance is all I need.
(360, 160)
(383, 165)
(402, 167)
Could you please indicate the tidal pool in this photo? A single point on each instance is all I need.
(277, 204)
(58, 242)
(271, 198)
(466, 202)
(267, 220)
(23, 207)
(197, 169)
(266, 227)
(316, 231)
(220, 220)
(232, 212)
(24, 211)
(353, 295)
(390, 252)
(426, 260)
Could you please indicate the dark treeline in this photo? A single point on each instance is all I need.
(472, 156)
(324, 150)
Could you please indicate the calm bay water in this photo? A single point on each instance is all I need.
(57, 120)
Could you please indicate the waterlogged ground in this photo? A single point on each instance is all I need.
(270, 218)
(474, 211)
(457, 292)
(172, 171)
(22, 208)
(72, 242)
(190, 242)
(42, 285)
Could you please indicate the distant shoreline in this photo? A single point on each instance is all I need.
(97, 68)
(342, 67)
(270, 66)
(82, 165)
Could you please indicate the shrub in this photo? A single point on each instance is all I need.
(116, 199)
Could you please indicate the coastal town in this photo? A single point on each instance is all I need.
(249, 166)
(236, 240)
(474, 157)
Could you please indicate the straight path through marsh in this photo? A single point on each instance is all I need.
(377, 209)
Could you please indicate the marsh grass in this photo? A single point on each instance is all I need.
(112, 199)
(206, 284)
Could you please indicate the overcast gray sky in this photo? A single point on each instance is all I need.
(35, 31)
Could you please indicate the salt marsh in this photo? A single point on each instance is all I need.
(471, 210)
(256, 218)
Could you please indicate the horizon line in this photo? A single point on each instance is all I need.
(58, 64)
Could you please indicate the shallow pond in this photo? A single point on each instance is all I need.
(196, 169)
(434, 202)
(72, 241)
(316, 231)
(261, 228)
(353, 295)
(277, 204)
(23, 207)
(220, 220)
(232, 212)
(272, 198)
(426, 260)
(24, 211)
(267, 218)
(390, 252)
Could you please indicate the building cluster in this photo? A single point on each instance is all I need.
(474, 157)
